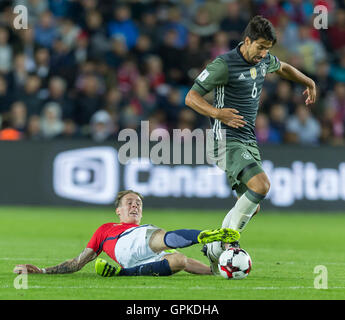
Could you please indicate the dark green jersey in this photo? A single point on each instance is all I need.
(237, 84)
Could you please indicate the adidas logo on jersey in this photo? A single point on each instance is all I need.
(241, 77)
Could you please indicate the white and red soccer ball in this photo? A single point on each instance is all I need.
(234, 263)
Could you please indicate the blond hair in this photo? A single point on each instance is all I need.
(121, 194)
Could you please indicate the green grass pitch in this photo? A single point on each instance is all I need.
(285, 249)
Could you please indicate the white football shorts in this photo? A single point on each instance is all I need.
(132, 248)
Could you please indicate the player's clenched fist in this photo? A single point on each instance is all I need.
(26, 268)
(230, 117)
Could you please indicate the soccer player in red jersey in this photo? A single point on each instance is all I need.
(138, 249)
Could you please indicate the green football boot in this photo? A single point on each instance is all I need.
(105, 269)
(224, 234)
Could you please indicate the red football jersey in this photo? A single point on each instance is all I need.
(106, 236)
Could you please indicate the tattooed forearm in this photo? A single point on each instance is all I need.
(68, 266)
(73, 265)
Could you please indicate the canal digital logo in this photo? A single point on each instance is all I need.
(88, 175)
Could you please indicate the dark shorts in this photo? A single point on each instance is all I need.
(240, 161)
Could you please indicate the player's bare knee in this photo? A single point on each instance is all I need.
(177, 261)
(260, 184)
(181, 261)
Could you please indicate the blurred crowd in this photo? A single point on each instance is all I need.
(88, 68)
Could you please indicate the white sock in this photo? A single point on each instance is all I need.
(239, 216)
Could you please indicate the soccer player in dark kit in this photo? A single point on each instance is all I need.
(237, 78)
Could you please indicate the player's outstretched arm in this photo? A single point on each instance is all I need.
(68, 266)
(289, 72)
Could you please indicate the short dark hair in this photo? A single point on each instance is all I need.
(121, 194)
(259, 27)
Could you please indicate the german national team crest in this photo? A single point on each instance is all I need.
(253, 73)
(263, 69)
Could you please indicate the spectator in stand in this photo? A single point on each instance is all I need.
(302, 127)
(42, 65)
(283, 95)
(89, 100)
(149, 27)
(33, 131)
(158, 127)
(57, 88)
(330, 134)
(6, 52)
(123, 26)
(142, 50)
(59, 8)
(278, 117)
(46, 30)
(62, 60)
(187, 119)
(102, 128)
(172, 104)
(30, 96)
(117, 52)
(172, 66)
(263, 130)
(193, 59)
(68, 32)
(202, 25)
(323, 78)
(299, 11)
(142, 99)
(129, 119)
(18, 76)
(70, 130)
(271, 10)
(114, 100)
(336, 31)
(289, 33)
(51, 120)
(6, 97)
(18, 116)
(106, 75)
(174, 22)
(127, 75)
(335, 110)
(81, 48)
(279, 50)
(234, 22)
(26, 45)
(99, 44)
(220, 44)
(337, 70)
(311, 51)
(154, 72)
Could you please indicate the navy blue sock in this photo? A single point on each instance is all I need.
(181, 238)
(158, 268)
